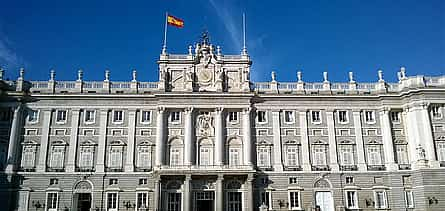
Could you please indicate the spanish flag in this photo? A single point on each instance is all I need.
(174, 21)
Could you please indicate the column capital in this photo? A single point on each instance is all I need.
(219, 110)
(246, 110)
(356, 110)
(188, 110)
(303, 110)
(160, 109)
(188, 177)
(220, 177)
(385, 109)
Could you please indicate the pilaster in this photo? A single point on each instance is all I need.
(247, 136)
(187, 195)
(277, 158)
(332, 142)
(72, 152)
(103, 116)
(306, 165)
(129, 166)
(41, 166)
(14, 139)
(188, 136)
(219, 139)
(249, 183)
(388, 145)
(219, 192)
(160, 136)
(361, 162)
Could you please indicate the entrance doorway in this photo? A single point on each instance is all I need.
(83, 201)
(204, 201)
(323, 199)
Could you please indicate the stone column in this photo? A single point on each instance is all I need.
(157, 194)
(219, 137)
(14, 139)
(425, 127)
(129, 166)
(72, 151)
(41, 166)
(160, 136)
(277, 158)
(188, 136)
(220, 192)
(361, 162)
(103, 116)
(249, 183)
(332, 142)
(305, 153)
(247, 143)
(409, 135)
(187, 195)
(388, 146)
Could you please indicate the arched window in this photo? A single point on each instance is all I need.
(144, 155)
(205, 152)
(176, 156)
(86, 155)
(234, 152)
(57, 156)
(29, 156)
(115, 158)
(264, 154)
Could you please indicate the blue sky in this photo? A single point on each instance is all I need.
(312, 35)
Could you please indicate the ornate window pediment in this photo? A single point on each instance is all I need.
(233, 184)
(264, 143)
(117, 143)
(88, 143)
(59, 143)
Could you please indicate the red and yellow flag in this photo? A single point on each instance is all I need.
(174, 21)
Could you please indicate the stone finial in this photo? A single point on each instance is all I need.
(399, 76)
(134, 74)
(325, 77)
(403, 72)
(380, 74)
(80, 75)
(218, 50)
(21, 73)
(52, 75)
(107, 75)
(190, 50)
(299, 76)
(351, 77)
(1, 73)
(274, 76)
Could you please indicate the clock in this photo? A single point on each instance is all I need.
(205, 75)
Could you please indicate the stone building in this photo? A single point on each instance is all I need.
(204, 137)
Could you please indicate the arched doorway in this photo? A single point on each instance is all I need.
(83, 198)
(323, 195)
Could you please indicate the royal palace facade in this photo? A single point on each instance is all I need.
(204, 137)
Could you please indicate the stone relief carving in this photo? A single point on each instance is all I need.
(205, 125)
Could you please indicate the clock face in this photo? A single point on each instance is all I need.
(205, 75)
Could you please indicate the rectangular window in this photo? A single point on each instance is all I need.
(53, 181)
(395, 116)
(112, 201)
(263, 156)
(315, 117)
(294, 200)
(401, 154)
(175, 116)
(349, 180)
(292, 156)
(374, 156)
(370, 116)
(346, 155)
(234, 202)
(319, 155)
(234, 156)
(113, 181)
(436, 111)
(61, 116)
(118, 116)
(142, 200)
(90, 116)
(351, 200)
(5, 115)
(57, 157)
(175, 157)
(145, 116)
(144, 157)
(115, 161)
(143, 181)
(441, 150)
(409, 199)
(289, 117)
(52, 201)
(204, 156)
(266, 199)
(293, 180)
(33, 115)
(342, 116)
(380, 200)
(86, 157)
(261, 116)
(174, 202)
(233, 117)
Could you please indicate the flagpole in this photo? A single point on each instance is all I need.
(244, 35)
(164, 47)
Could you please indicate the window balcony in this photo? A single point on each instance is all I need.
(114, 169)
(321, 168)
(293, 168)
(404, 166)
(376, 168)
(85, 169)
(265, 168)
(143, 169)
(348, 168)
(55, 169)
(28, 169)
